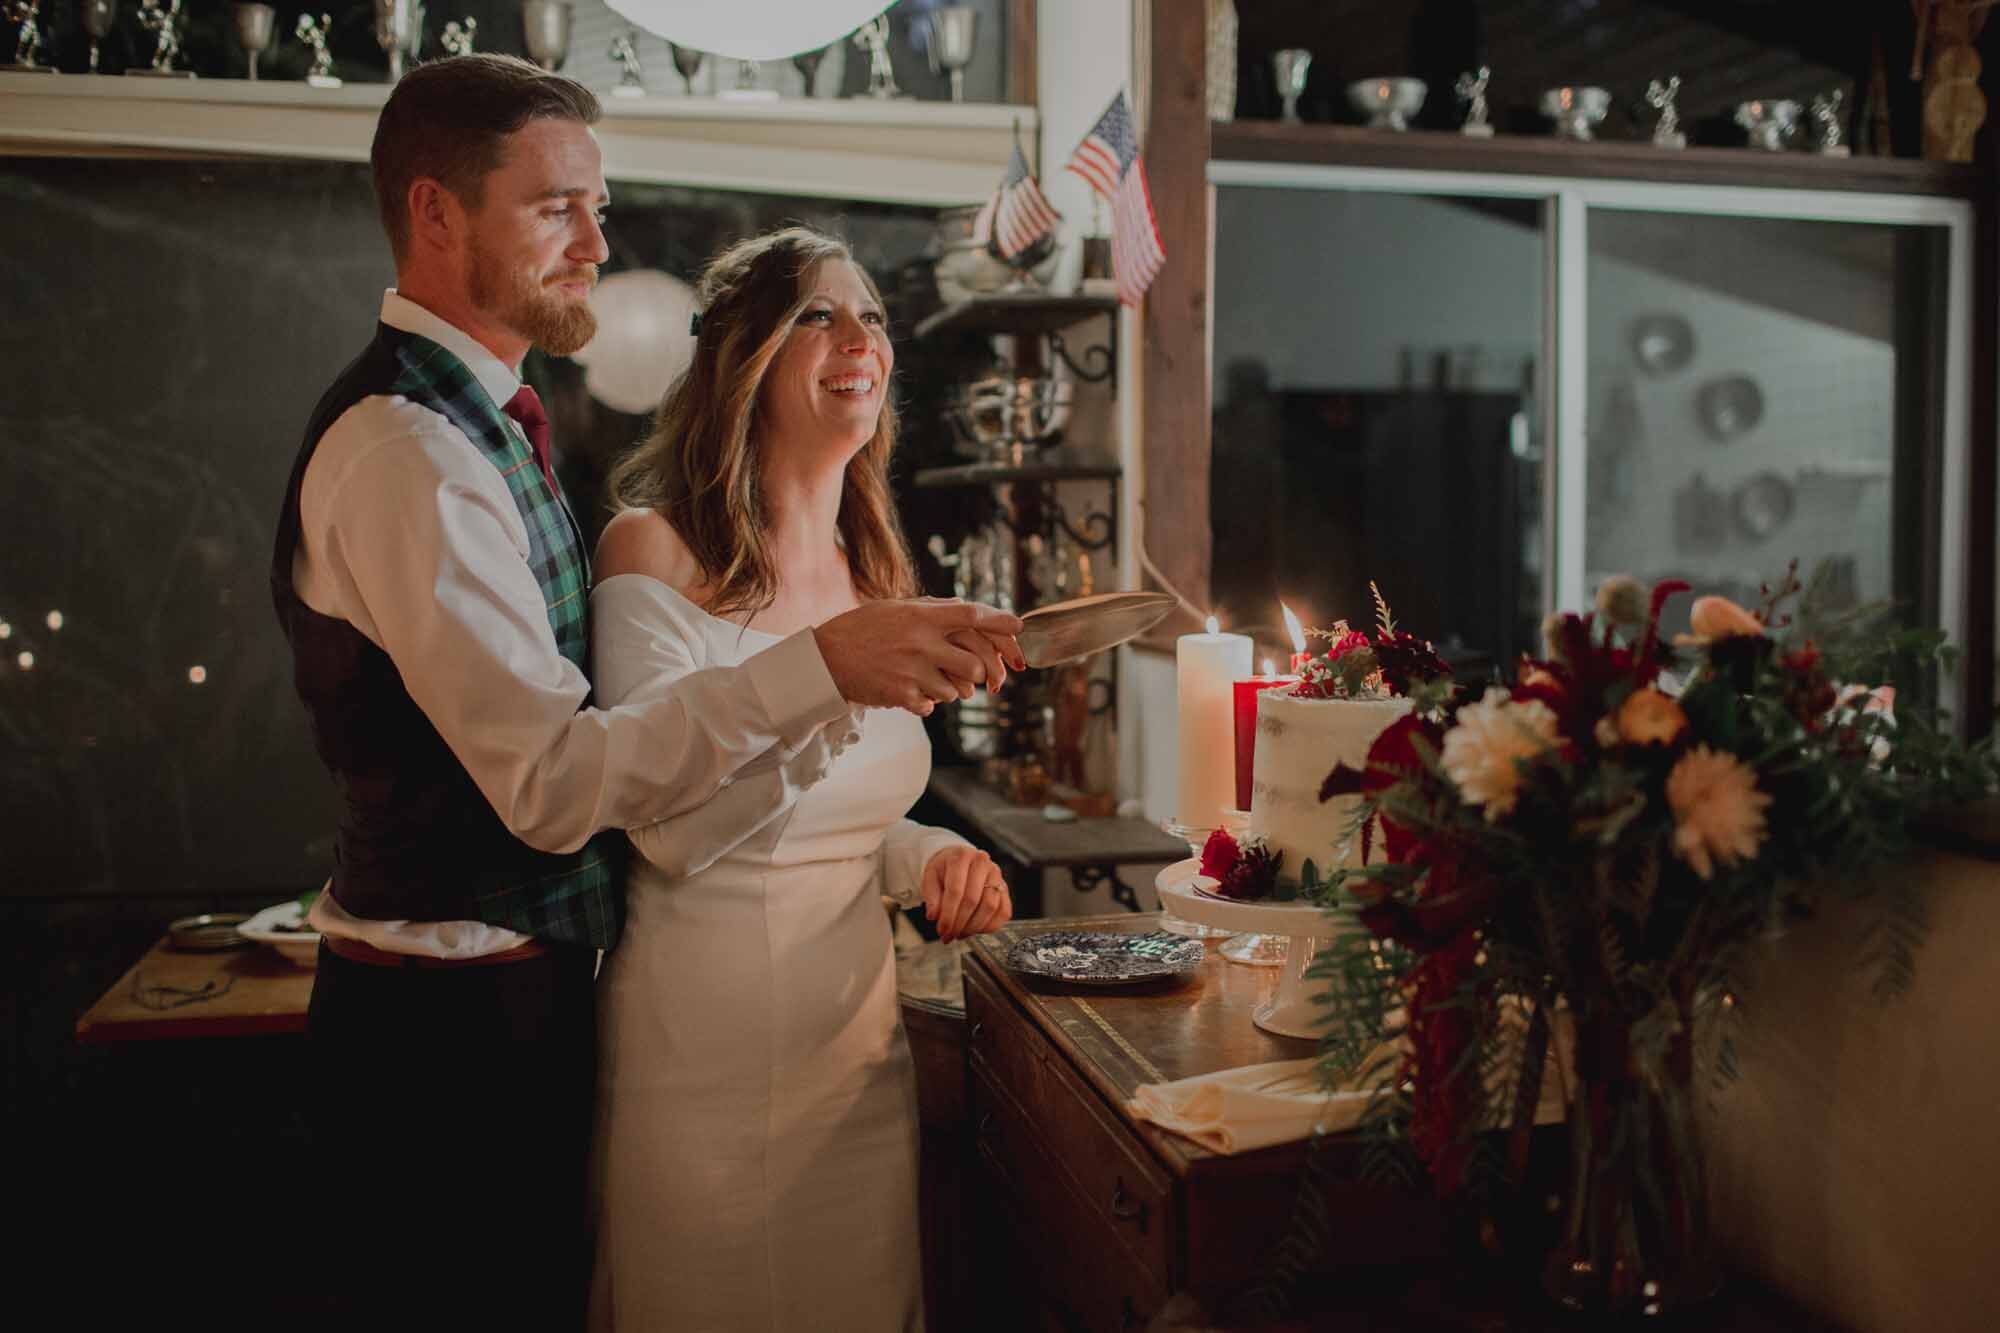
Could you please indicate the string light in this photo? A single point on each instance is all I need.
(197, 674)
(54, 619)
(6, 630)
(25, 660)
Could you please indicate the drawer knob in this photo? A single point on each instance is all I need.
(1126, 1208)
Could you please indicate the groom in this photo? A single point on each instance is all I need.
(434, 588)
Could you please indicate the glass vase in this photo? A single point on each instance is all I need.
(1635, 1236)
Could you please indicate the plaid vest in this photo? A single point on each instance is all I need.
(417, 840)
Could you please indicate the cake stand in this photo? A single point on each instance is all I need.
(1292, 1012)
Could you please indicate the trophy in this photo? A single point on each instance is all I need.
(253, 29)
(1576, 111)
(747, 88)
(314, 32)
(458, 36)
(97, 16)
(1289, 66)
(873, 37)
(1660, 96)
(1770, 124)
(625, 50)
(1826, 119)
(1471, 89)
(807, 64)
(952, 30)
(545, 24)
(688, 61)
(165, 21)
(399, 31)
(27, 38)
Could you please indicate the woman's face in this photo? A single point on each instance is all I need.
(826, 387)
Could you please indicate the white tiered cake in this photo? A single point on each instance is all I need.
(1299, 740)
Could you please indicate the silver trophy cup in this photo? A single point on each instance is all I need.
(1290, 67)
(546, 24)
(399, 31)
(253, 28)
(953, 29)
(807, 64)
(687, 61)
(97, 17)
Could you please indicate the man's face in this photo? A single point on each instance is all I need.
(535, 240)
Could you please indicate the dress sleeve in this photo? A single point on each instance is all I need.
(649, 646)
(906, 849)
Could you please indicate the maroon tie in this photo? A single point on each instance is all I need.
(526, 408)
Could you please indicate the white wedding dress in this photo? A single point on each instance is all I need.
(757, 1150)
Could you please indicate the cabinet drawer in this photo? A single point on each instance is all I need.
(1104, 1164)
(1081, 1269)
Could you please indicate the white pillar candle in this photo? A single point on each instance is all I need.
(1206, 664)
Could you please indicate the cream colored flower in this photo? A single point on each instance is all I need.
(1718, 811)
(1715, 618)
(1881, 699)
(1481, 751)
(1621, 599)
(1648, 717)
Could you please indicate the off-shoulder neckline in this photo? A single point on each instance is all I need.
(686, 601)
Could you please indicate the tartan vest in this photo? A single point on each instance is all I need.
(417, 840)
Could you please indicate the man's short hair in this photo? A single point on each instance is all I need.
(449, 120)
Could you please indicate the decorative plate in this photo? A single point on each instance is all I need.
(283, 927)
(1104, 958)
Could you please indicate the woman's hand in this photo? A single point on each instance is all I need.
(964, 893)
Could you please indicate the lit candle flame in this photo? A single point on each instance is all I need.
(1293, 628)
(1214, 625)
(1270, 667)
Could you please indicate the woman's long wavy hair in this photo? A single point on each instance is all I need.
(699, 468)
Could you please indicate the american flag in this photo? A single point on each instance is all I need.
(1018, 214)
(1108, 159)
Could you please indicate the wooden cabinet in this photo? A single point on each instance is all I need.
(1081, 1218)
(1106, 1216)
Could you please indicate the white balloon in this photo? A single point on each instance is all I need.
(750, 29)
(642, 339)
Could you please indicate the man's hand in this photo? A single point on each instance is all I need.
(964, 893)
(919, 653)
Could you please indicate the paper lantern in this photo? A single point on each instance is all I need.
(750, 29)
(642, 340)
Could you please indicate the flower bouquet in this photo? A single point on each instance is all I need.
(1578, 861)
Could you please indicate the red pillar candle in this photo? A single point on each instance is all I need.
(1245, 694)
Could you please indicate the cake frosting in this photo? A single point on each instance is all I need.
(1299, 740)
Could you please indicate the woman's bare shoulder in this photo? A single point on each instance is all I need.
(642, 541)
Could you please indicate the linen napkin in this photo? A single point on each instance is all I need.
(1240, 1110)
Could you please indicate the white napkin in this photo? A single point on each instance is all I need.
(1239, 1110)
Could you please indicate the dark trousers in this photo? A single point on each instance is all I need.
(452, 1125)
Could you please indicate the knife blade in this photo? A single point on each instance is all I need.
(1074, 630)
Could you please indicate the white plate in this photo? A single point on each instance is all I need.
(299, 946)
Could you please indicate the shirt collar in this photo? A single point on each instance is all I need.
(494, 376)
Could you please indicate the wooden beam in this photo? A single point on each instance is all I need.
(1022, 75)
(1172, 79)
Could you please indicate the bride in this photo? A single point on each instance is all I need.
(757, 1147)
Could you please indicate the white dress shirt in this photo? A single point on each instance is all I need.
(409, 535)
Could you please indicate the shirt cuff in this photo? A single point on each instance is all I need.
(795, 687)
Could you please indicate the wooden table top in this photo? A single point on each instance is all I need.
(1121, 1038)
(250, 992)
(1024, 835)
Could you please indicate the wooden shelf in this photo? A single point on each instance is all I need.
(993, 474)
(1430, 150)
(1026, 312)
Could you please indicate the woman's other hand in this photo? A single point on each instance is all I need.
(965, 894)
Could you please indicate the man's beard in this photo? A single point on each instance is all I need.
(556, 326)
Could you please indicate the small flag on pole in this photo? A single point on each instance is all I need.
(1108, 160)
(1018, 214)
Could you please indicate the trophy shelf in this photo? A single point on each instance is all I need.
(912, 152)
(1547, 155)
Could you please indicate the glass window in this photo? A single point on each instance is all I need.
(1763, 389)
(1377, 416)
